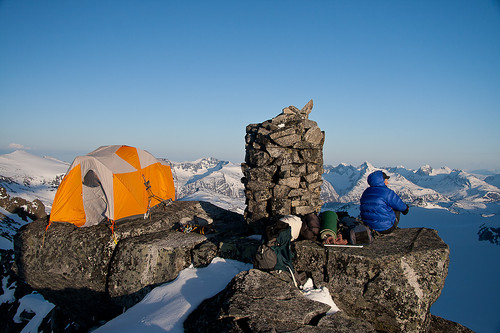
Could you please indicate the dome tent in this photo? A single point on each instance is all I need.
(112, 182)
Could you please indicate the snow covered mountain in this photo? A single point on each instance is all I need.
(32, 177)
(493, 180)
(454, 190)
(464, 191)
(209, 179)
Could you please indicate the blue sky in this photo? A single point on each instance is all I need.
(393, 82)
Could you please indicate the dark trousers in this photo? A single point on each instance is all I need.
(394, 226)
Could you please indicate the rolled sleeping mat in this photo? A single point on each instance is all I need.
(329, 221)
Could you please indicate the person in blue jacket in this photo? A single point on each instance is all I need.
(380, 206)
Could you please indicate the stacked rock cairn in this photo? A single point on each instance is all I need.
(283, 166)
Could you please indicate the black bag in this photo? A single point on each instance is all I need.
(359, 233)
(265, 258)
(354, 230)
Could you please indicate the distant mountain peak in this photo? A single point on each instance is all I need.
(22, 172)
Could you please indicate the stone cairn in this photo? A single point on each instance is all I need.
(283, 166)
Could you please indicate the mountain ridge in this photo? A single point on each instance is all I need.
(220, 182)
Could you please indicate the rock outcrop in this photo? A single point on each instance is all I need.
(283, 166)
(387, 286)
(22, 207)
(89, 276)
(256, 301)
(392, 283)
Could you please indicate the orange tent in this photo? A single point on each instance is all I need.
(112, 182)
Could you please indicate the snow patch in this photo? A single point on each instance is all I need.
(321, 295)
(8, 291)
(166, 307)
(33, 303)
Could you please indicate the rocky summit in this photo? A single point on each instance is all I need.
(387, 286)
(91, 274)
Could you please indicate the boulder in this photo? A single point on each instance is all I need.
(90, 276)
(256, 301)
(392, 283)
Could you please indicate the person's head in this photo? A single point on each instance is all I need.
(378, 178)
(386, 178)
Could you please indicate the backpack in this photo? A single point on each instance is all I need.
(359, 233)
(354, 230)
(275, 252)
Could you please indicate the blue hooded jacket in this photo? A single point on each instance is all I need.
(378, 203)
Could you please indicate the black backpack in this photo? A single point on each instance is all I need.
(359, 233)
(354, 230)
(275, 252)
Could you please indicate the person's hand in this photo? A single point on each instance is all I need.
(406, 210)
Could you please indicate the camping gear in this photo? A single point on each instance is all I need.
(329, 221)
(277, 238)
(111, 183)
(198, 225)
(200, 229)
(359, 233)
(354, 230)
(275, 252)
(339, 240)
(311, 225)
(265, 258)
(295, 223)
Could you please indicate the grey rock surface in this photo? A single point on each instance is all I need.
(85, 272)
(392, 283)
(256, 301)
(388, 286)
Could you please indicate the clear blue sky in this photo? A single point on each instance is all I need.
(393, 82)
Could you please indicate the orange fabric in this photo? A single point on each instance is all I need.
(130, 155)
(130, 194)
(68, 202)
(161, 181)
